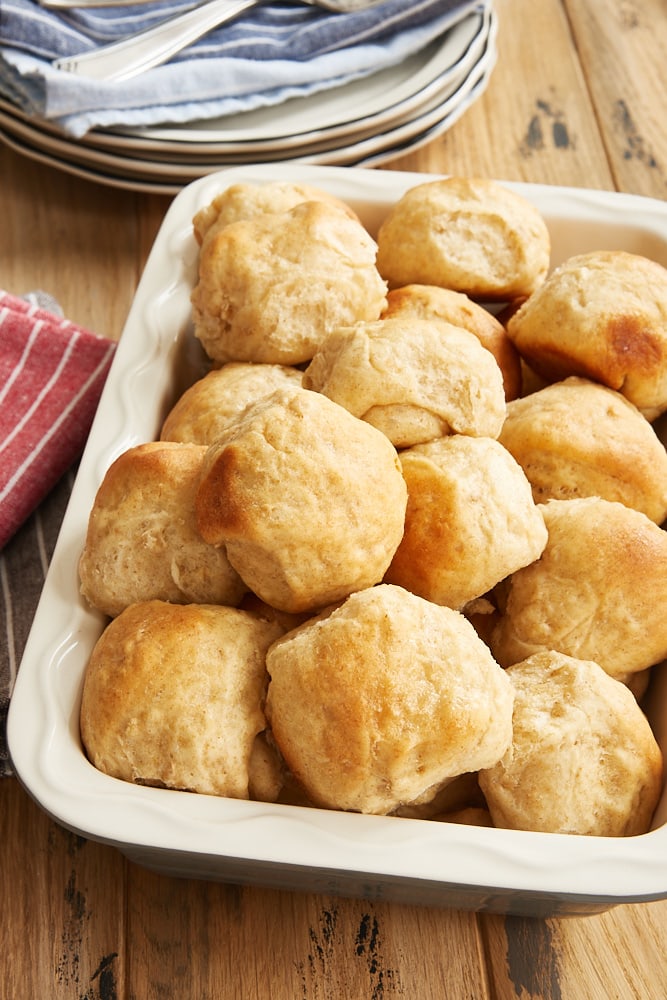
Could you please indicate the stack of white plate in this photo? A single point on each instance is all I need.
(363, 123)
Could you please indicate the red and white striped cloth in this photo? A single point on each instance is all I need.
(51, 376)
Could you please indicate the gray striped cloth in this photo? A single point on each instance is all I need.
(23, 565)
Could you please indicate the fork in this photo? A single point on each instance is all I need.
(85, 4)
(154, 46)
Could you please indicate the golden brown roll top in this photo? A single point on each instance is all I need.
(596, 593)
(245, 200)
(142, 541)
(601, 315)
(577, 438)
(206, 408)
(469, 234)
(384, 700)
(470, 522)
(583, 759)
(173, 696)
(308, 501)
(413, 379)
(271, 288)
(434, 302)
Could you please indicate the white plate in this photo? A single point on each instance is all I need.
(339, 110)
(413, 133)
(184, 167)
(170, 182)
(241, 142)
(285, 846)
(327, 119)
(120, 168)
(85, 173)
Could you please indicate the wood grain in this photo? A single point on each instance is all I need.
(63, 926)
(536, 121)
(72, 236)
(576, 98)
(303, 945)
(616, 954)
(621, 47)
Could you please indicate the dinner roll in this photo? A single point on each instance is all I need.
(207, 407)
(271, 288)
(173, 695)
(246, 201)
(267, 775)
(142, 540)
(583, 759)
(432, 302)
(577, 438)
(286, 619)
(413, 379)
(470, 816)
(470, 520)
(469, 234)
(308, 500)
(596, 593)
(461, 793)
(601, 315)
(382, 701)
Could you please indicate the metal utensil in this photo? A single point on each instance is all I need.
(74, 4)
(154, 46)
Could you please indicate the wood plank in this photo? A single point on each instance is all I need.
(535, 122)
(623, 951)
(522, 958)
(75, 239)
(617, 954)
(204, 939)
(622, 49)
(63, 908)
(64, 924)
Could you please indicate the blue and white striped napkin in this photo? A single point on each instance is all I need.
(269, 54)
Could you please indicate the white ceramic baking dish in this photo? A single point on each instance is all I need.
(187, 834)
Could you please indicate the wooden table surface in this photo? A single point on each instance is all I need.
(577, 98)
